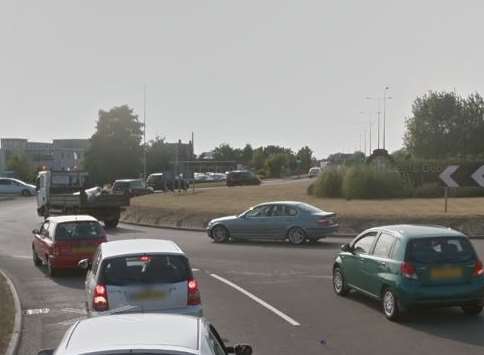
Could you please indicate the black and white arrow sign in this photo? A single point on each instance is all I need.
(446, 176)
(454, 178)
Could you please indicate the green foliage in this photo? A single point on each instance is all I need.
(369, 182)
(224, 152)
(159, 155)
(444, 125)
(305, 157)
(277, 165)
(115, 149)
(328, 184)
(22, 167)
(247, 154)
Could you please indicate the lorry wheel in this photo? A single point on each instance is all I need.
(113, 223)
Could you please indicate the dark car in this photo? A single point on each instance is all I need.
(131, 187)
(295, 221)
(242, 177)
(162, 182)
(405, 266)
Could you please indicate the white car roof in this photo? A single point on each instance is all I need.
(147, 331)
(72, 218)
(139, 246)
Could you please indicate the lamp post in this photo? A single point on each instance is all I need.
(385, 98)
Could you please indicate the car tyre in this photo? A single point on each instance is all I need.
(51, 270)
(220, 234)
(296, 236)
(26, 193)
(113, 223)
(35, 257)
(390, 305)
(339, 283)
(472, 309)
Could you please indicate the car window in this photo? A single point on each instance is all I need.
(78, 230)
(439, 250)
(309, 208)
(145, 269)
(5, 182)
(260, 211)
(291, 211)
(138, 184)
(212, 343)
(384, 245)
(363, 245)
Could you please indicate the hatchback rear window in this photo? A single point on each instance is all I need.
(78, 231)
(145, 269)
(439, 250)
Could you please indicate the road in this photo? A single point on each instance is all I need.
(271, 295)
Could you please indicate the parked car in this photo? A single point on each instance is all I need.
(148, 274)
(404, 266)
(295, 221)
(16, 187)
(242, 177)
(145, 334)
(61, 242)
(131, 187)
(314, 172)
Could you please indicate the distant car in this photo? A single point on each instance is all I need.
(61, 242)
(314, 172)
(16, 187)
(131, 187)
(295, 221)
(161, 182)
(144, 334)
(404, 266)
(145, 275)
(242, 177)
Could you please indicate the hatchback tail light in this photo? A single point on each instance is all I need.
(100, 300)
(478, 269)
(408, 270)
(193, 293)
(324, 221)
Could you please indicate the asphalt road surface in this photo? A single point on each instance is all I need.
(271, 295)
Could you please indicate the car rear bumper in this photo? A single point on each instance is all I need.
(451, 295)
(321, 232)
(196, 311)
(66, 262)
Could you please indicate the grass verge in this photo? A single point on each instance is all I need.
(194, 210)
(7, 314)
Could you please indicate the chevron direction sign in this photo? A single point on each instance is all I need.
(453, 176)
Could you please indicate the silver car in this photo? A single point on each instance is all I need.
(17, 187)
(146, 334)
(140, 275)
(295, 221)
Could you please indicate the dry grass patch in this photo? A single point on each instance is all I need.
(222, 201)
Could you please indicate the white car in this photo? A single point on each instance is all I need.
(140, 275)
(146, 334)
(17, 187)
(314, 172)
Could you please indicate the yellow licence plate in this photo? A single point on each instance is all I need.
(149, 295)
(446, 273)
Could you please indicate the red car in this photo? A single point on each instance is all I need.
(63, 241)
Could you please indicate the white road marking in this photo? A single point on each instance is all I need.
(195, 269)
(74, 310)
(258, 300)
(35, 311)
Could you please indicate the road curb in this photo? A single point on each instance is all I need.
(17, 324)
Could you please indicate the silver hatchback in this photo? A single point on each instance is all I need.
(140, 275)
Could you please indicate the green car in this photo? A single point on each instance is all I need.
(404, 266)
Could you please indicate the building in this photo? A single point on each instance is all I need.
(61, 154)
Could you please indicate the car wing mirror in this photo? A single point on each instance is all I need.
(84, 264)
(35, 231)
(346, 248)
(46, 352)
(241, 349)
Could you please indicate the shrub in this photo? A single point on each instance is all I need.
(328, 184)
(429, 190)
(368, 182)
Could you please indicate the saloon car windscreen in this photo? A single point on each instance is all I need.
(145, 269)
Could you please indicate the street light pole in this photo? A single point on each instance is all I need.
(385, 97)
(144, 132)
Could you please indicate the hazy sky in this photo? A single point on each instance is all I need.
(260, 72)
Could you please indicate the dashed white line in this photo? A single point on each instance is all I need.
(258, 300)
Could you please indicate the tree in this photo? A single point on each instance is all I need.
(21, 166)
(225, 152)
(258, 159)
(115, 149)
(277, 164)
(444, 125)
(247, 154)
(304, 157)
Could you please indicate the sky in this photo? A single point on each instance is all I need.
(290, 73)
